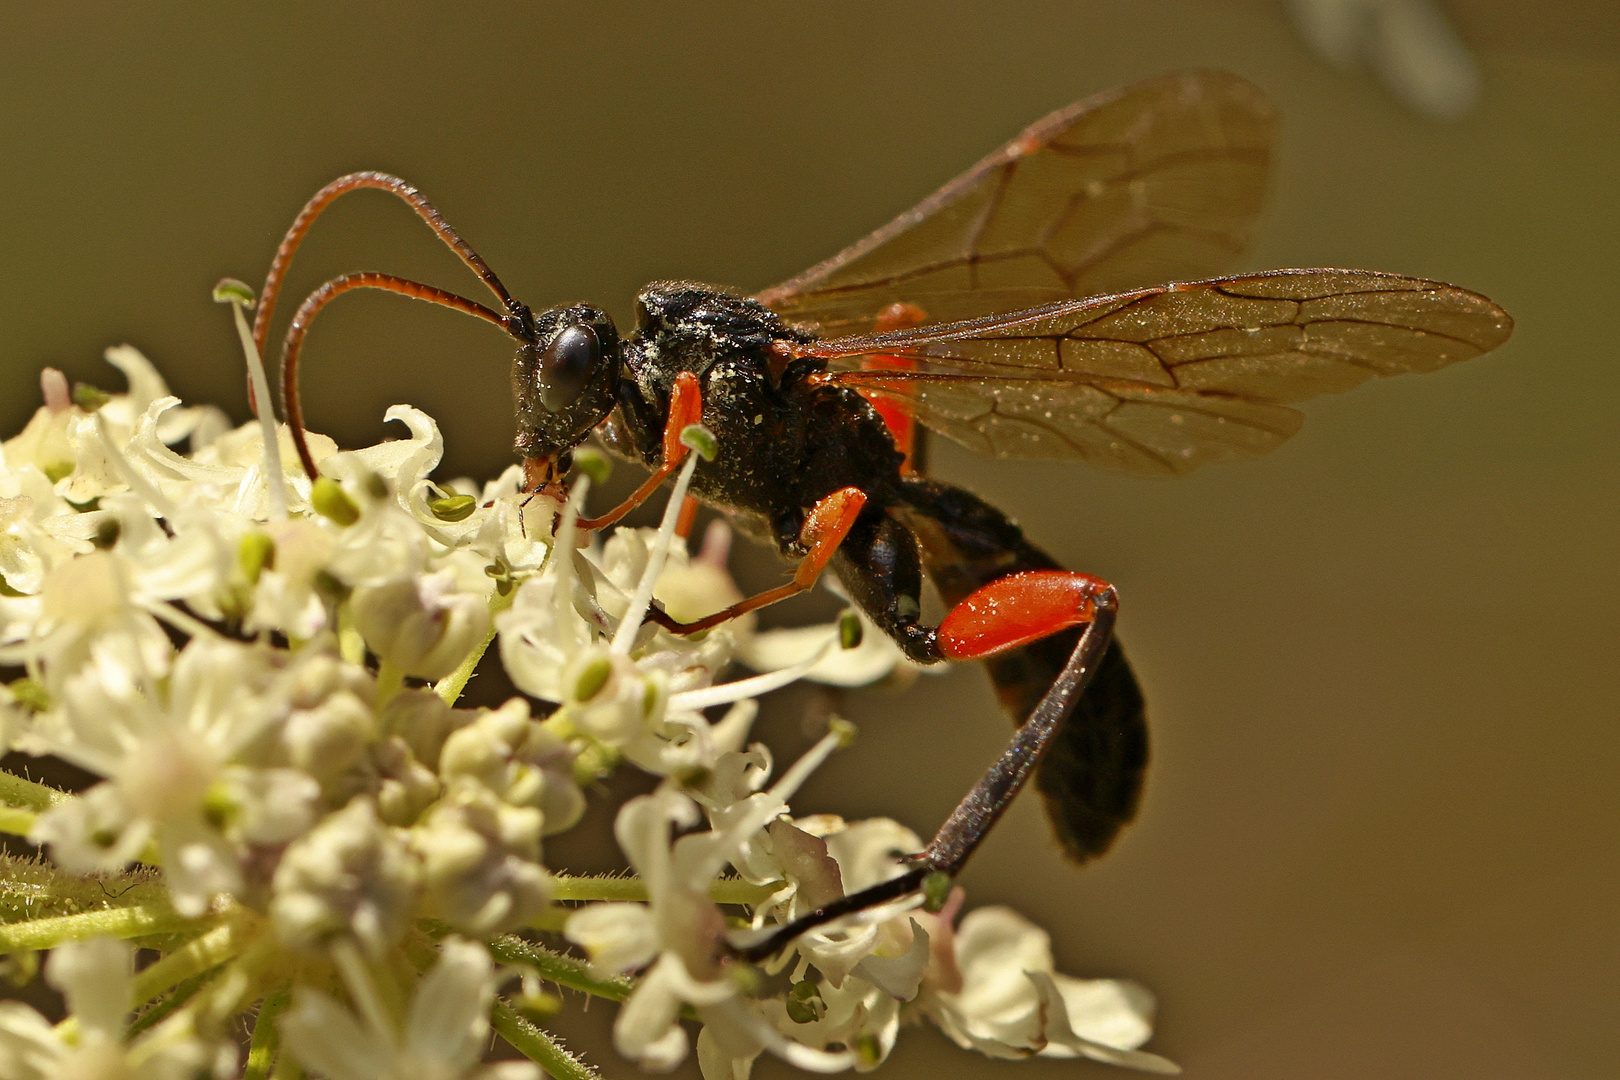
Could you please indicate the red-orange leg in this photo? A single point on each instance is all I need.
(823, 530)
(683, 524)
(294, 342)
(685, 407)
(1018, 609)
(896, 414)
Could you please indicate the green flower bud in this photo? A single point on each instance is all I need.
(805, 1004)
(594, 464)
(89, 398)
(255, 553)
(936, 887)
(333, 503)
(849, 630)
(453, 507)
(700, 439)
(232, 291)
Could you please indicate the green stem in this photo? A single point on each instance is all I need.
(538, 1045)
(351, 646)
(287, 1068)
(16, 822)
(243, 982)
(634, 890)
(389, 679)
(130, 922)
(266, 1036)
(161, 1011)
(450, 687)
(15, 791)
(193, 958)
(557, 968)
(551, 966)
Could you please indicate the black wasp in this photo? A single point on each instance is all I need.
(1005, 311)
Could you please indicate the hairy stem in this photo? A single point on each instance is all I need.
(538, 1045)
(633, 889)
(130, 922)
(15, 791)
(193, 958)
(266, 1039)
(551, 966)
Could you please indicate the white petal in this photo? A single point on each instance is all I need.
(898, 976)
(648, 1017)
(874, 658)
(1063, 1042)
(995, 946)
(865, 851)
(617, 937)
(794, 1053)
(95, 977)
(327, 1039)
(1116, 1012)
(29, 1048)
(1423, 60)
(718, 1062)
(145, 384)
(449, 1021)
(666, 1052)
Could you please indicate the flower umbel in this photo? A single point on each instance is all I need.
(294, 808)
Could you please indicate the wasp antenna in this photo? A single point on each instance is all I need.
(324, 198)
(292, 345)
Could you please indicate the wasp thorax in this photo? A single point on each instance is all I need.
(563, 379)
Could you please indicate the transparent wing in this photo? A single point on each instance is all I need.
(1164, 380)
(1160, 181)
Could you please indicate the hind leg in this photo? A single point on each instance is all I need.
(881, 569)
(1092, 777)
(880, 564)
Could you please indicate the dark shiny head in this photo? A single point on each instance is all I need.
(564, 379)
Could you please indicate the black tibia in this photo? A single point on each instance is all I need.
(978, 812)
(1091, 779)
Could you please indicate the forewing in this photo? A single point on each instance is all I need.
(1164, 380)
(1159, 181)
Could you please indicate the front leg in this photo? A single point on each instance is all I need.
(824, 529)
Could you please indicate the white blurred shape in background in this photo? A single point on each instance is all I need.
(1409, 43)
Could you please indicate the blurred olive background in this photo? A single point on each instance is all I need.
(1380, 832)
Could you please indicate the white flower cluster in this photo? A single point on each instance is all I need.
(264, 673)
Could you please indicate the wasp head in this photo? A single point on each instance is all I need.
(564, 379)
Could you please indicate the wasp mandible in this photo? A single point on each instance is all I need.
(1011, 311)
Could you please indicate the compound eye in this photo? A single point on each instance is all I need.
(567, 363)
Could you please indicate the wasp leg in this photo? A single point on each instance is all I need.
(974, 816)
(824, 529)
(1091, 780)
(881, 569)
(683, 524)
(880, 565)
(685, 407)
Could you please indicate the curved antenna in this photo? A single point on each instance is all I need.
(294, 341)
(324, 198)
